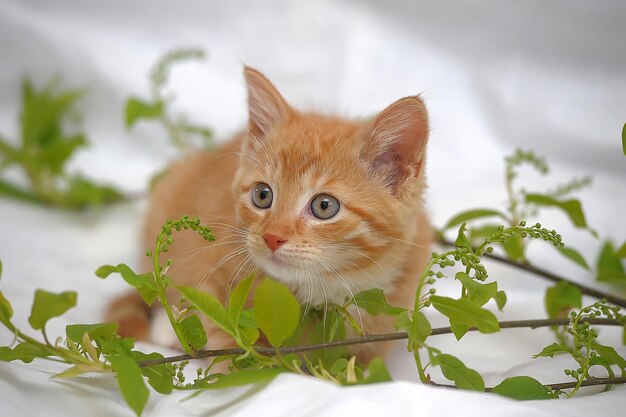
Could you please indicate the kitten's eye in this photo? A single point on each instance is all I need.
(262, 196)
(324, 206)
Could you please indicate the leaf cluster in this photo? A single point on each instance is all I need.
(561, 298)
(47, 142)
(183, 134)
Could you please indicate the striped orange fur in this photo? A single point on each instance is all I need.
(380, 237)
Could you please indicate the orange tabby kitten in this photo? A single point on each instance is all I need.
(330, 207)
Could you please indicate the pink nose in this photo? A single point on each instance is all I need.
(274, 242)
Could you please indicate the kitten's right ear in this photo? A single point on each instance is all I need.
(266, 107)
(395, 143)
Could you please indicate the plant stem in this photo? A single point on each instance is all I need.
(420, 368)
(562, 385)
(162, 292)
(526, 266)
(532, 324)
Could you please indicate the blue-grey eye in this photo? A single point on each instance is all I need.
(262, 196)
(324, 206)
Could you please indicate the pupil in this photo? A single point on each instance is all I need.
(324, 205)
(263, 194)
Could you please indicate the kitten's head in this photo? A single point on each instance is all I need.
(329, 204)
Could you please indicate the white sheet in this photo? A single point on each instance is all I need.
(497, 74)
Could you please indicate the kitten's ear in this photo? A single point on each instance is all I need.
(395, 142)
(266, 107)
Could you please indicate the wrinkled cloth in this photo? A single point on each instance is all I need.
(496, 75)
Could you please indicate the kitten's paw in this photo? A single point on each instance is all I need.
(131, 313)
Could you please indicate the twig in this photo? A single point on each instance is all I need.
(532, 324)
(562, 385)
(526, 266)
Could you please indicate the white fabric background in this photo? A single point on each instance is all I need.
(496, 75)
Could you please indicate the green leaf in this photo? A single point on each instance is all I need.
(468, 215)
(334, 327)
(514, 248)
(550, 351)
(246, 318)
(500, 298)
(193, 332)
(478, 234)
(466, 312)
(144, 283)
(624, 139)
(209, 305)
(458, 330)
(320, 334)
(95, 331)
(600, 361)
(6, 312)
(561, 298)
(117, 346)
(159, 376)
(72, 372)
(373, 301)
(573, 255)
(277, 311)
(130, 381)
(9, 154)
(522, 388)
(404, 322)
(481, 293)
(249, 335)
(610, 355)
(610, 268)
(622, 251)
(377, 372)
(43, 112)
(48, 305)
(456, 371)
(24, 352)
(339, 366)
(238, 297)
(351, 321)
(58, 151)
(82, 193)
(423, 329)
(137, 109)
(13, 192)
(246, 377)
(461, 240)
(571, 207)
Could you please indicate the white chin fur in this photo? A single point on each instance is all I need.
(318, 290)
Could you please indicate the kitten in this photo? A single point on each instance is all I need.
(330, 207)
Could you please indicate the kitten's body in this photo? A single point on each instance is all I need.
(379, 238)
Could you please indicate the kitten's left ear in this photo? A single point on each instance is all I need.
(396, 142)
(266, 107)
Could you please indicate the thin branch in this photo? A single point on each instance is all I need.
(532, 324)
(526, 266)
(562, 385)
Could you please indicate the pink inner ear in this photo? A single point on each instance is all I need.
(398, 138)
(266, 107)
